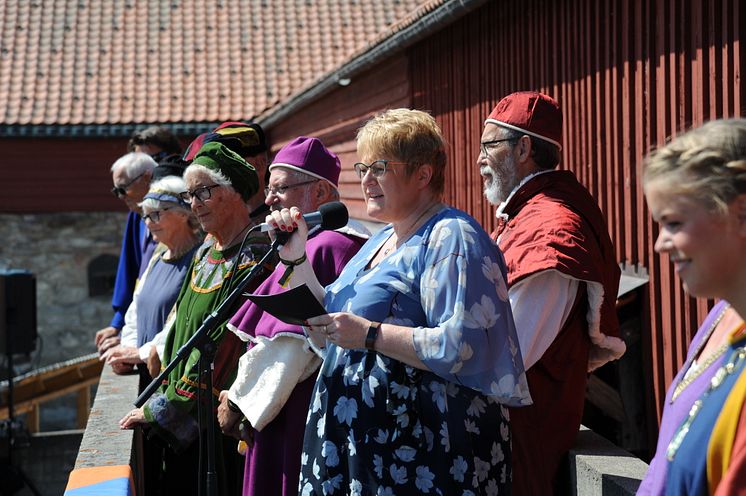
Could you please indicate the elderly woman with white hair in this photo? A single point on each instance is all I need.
(219, 184)
(173, 225)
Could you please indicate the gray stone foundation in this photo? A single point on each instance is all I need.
(57, 249)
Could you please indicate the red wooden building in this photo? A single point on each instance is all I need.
(628, 74)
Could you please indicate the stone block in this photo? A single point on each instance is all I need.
(598, 467)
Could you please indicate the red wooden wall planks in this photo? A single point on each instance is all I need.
(58, 174)
(628, 74)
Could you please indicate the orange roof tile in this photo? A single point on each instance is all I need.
(78, 62)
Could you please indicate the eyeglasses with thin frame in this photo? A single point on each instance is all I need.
(485, 145)
(280, 190)
(155, 215)
(203, 193)
(378, 168)
(121, 191)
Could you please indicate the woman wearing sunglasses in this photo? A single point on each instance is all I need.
(176, 229)
(420, 351)
(173, 225)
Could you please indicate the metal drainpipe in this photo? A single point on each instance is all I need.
(431, 22)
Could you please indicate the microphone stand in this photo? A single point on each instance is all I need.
(207, 348)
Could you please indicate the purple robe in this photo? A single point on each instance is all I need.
(675, 413)
(273, 463)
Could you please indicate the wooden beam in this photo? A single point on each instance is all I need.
(45, 381)
(32, 419)
(605, 397)
(84, 406)
(24, 406)
(31, 390)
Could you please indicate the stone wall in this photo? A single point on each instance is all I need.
(57, 249)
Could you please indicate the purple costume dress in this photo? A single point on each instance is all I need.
(273, 463)
(674, 413)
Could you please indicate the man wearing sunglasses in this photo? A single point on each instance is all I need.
(131, 181)
(131, 176)
(562, 279)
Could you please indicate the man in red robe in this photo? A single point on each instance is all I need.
(562, 279)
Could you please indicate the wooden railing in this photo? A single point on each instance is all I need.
(32, 390)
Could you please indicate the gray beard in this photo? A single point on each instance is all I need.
(494, 192)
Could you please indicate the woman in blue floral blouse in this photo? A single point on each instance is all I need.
(419, 346)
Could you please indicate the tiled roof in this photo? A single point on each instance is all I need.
(73, 62)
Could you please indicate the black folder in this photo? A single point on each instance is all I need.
(294, 306)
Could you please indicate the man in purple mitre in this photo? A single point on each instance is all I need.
(272, 391)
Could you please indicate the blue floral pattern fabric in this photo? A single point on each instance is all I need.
(378, 426)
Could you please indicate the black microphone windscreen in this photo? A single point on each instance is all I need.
(333, 215)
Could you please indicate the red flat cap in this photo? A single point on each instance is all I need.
(530, 112)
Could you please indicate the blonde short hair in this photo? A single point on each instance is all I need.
(406, 135)
(707, 163)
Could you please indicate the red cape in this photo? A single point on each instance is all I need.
(552, 222)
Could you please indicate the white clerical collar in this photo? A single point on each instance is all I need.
(501, 207)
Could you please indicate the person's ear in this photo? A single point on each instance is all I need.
(523, 148)
(321, 190)
(424, 174)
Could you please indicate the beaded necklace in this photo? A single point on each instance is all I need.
(215, 280)
(733, 364)
(686, 380)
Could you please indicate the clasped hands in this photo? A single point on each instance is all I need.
(121, 358)
(233, 423)
(107, 343)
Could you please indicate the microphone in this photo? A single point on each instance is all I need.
(330, 216)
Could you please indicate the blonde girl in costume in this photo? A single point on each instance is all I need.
(696, 190)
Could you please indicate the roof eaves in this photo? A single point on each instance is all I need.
(427, 19)
(98, 130)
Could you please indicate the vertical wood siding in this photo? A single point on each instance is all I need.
(335, 119)
(58, 175)
(628, 75)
